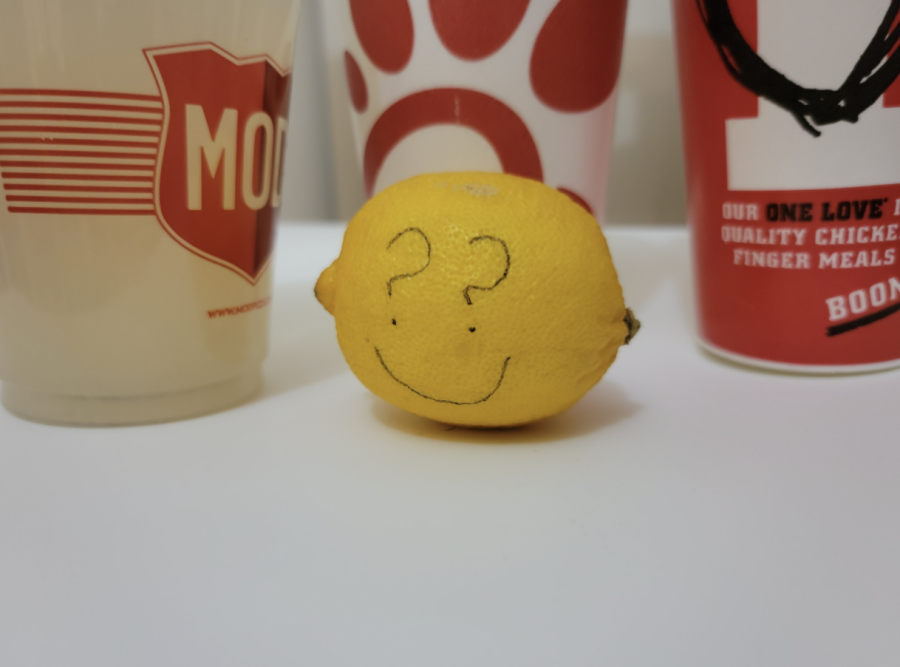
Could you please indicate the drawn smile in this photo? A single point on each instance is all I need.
(443, 400)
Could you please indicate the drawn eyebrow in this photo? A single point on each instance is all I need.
(500, 279)
(414, 273)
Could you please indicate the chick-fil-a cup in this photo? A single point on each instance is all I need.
(516, 86)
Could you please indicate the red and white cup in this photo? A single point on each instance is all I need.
(516, 86)
(141, 148)
(791, 112)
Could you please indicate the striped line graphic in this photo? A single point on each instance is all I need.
(79, 152)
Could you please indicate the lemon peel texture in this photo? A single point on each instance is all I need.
(476, 299)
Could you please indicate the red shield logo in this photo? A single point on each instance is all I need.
(218, 176)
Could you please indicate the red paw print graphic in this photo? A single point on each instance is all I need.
(525, 87)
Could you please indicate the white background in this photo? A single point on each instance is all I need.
(685, 513)
(322, 180)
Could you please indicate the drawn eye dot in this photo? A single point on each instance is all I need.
(472, 329)
(394, 322)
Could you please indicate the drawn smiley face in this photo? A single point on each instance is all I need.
(414, 335)
(475, 299)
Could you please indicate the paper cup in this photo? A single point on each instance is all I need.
(791, 114)
(526, 88)
(140, 150)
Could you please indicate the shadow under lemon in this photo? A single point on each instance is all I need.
(602, 407)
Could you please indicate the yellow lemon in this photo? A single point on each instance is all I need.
(476, 299)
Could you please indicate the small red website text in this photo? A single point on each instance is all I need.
(239, 310)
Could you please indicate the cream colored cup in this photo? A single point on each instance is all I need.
(140, 151)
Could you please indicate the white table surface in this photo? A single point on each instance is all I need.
(685, 512)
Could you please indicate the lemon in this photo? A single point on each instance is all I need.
(476, 299)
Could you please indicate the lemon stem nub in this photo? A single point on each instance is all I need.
(633, 325)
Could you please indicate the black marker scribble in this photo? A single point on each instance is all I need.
(873, 73)
(442, 400)
(414, 273)
(500, 279)
(839, 329)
